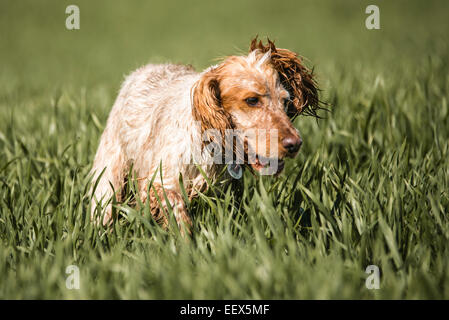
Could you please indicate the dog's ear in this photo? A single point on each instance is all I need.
(296, 78)
(207, 107)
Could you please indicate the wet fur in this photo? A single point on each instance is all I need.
(162, 111)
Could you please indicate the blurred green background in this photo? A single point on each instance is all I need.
(370, 185)
(115, 36)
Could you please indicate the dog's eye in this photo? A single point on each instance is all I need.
(252, 101)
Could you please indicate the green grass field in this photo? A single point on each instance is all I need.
(369, 187)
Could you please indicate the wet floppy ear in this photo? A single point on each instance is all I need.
(296, 78)
(207, 107)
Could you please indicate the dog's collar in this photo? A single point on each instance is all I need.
(235, 170)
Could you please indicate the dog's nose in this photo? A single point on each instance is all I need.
(292, 144)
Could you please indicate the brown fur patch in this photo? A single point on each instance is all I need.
(207, 106)
(296, 78)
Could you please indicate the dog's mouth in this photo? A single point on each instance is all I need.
(262, 164)
(273, 166)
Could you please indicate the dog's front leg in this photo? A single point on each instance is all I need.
(111, 162)
(160, 212)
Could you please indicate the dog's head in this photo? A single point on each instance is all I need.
(257, 95)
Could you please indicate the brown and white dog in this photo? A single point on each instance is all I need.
(165, 113)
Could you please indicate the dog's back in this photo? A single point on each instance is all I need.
(156, 76)
(144, 126)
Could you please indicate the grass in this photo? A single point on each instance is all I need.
(370, 185)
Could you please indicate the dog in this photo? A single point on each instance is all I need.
(165, 113)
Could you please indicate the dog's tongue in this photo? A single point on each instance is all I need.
(259, 165)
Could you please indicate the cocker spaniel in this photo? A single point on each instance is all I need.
(173, 120)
